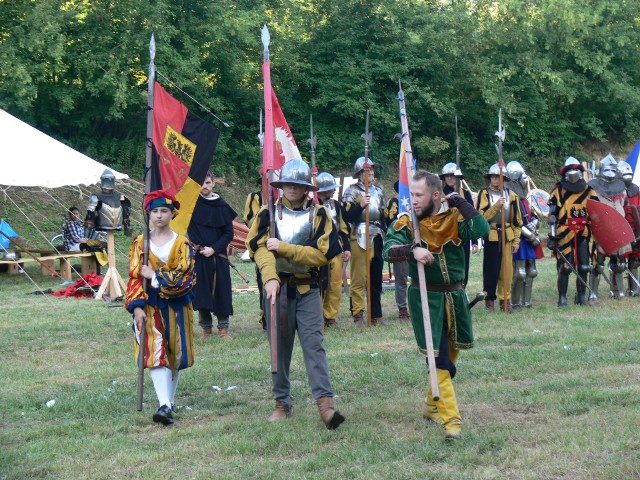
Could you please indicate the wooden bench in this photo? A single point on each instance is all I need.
(89, 263)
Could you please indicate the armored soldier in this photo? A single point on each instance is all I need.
(400, 271)
(524, 260)
(289, 259)
(633, 217)
(451, 177)
(355, 201)
(495, 272)
(569, 230)
(611, 191)
(332, 273)
(107, 209)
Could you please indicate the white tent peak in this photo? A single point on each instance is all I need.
(32, 158)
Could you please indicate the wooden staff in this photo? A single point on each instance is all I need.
(268, 161)
(503, 232)
(145, 234)
(367, 168)
(19, 245)
(424, 298)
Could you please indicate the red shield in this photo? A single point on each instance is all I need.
(610, 229)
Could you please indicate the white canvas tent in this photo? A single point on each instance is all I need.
(36, 169)
(31, 158)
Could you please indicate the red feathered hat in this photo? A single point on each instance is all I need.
(160, 198)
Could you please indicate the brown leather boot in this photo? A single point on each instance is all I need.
(489, 306)
(282, 412)
(224, 333)
(506, 308)
(329, 322)
(378, 321)
(206, 332)
(403, 314)
(358, 319)
(330, 416)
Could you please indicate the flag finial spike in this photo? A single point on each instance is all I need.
(152, 46)
(266, 38)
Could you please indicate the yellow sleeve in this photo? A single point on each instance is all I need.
(251, 208)
(257, 245)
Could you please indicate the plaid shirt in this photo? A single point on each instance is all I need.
(72, 232)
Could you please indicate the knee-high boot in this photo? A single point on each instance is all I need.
(448, 406)
(430, 408)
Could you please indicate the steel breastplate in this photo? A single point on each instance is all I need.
(109, 217)
(333, 212)
(375, 206)
(295, 227)
(494, 197)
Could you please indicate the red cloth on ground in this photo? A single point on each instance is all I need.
(89, 280)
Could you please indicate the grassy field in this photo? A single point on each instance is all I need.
(545, 394)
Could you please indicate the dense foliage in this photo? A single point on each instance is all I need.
(565, 72)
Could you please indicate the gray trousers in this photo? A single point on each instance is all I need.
(305, 316)
(400, 279)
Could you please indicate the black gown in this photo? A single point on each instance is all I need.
(212, 226)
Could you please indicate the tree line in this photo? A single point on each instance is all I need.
(565, 72)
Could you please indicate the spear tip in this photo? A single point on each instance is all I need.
(152, 46)
(266, 38)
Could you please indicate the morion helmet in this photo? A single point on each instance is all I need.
(451, 169)
(295, 171)
(359, 166)
(325, 182)
(495, 170)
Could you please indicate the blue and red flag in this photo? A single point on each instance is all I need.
(404, 197)
(633, 159)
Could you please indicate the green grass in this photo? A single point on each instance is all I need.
(545, 394)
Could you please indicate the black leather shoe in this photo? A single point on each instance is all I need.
(163, 415)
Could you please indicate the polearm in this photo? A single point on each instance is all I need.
(313, 141)
(367, 168)
(424, 298)
(261, 140)
(142, 350)
(503, 232)
(268, 160)
(458, 186)
(345, 284)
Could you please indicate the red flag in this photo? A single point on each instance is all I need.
(183, 146)
(279, 144)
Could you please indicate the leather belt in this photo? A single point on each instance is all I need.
(293, 281)
(438, 287)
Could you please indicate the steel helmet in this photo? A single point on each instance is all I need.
(516, 173)
(608, 167)
(571, 163)
(451, 169)
(625, 172)
(108, 180)
(295, 171)
(325, 182)
(495, 170)
(359, 166)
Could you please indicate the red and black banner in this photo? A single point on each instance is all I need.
(183, 146)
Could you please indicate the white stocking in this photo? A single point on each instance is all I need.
(174, 386)
(161, 377)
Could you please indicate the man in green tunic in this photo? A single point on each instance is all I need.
(446, 225)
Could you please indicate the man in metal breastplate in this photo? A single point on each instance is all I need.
(355, 201)
(289, 259)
